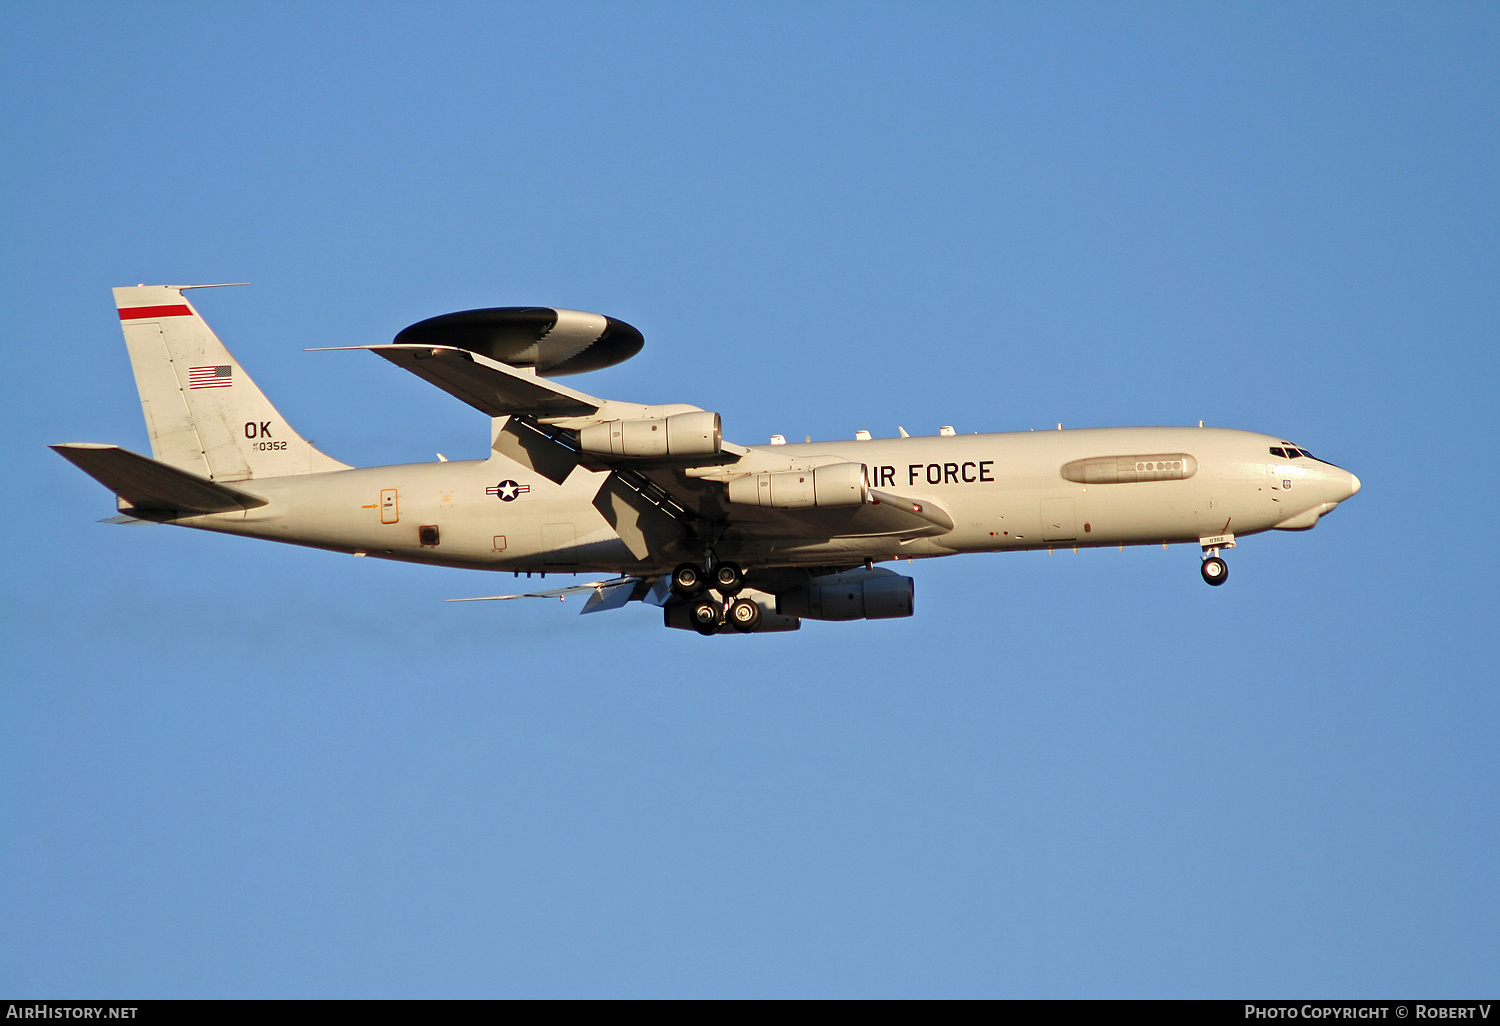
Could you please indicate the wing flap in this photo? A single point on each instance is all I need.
(611, 594)
(557, 593)
(886, 515)
(869, 520)
(148, 485)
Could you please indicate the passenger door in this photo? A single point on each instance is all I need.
(1059, 520)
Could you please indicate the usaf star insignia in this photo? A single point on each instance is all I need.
(506, 491)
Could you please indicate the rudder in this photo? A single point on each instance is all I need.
(203, 412)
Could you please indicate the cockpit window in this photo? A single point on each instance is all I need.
(1277, 450)
(1290, 452)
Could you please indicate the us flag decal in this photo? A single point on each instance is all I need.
(209, 377)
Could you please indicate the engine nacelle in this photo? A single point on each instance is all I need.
(853, 595)
(837, 484)
(682, 434)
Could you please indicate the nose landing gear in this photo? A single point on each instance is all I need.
(1215, 571)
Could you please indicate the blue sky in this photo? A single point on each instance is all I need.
(237, 769)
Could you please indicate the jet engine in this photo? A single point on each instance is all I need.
(873, 594)
(682, 434)
(837, 484)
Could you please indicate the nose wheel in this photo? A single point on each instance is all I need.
(1215, 571)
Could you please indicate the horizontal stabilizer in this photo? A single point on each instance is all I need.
(148, 485)
(487, 385)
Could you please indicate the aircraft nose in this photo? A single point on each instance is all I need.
(1345, 487)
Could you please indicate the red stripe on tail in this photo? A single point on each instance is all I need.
(135, 313)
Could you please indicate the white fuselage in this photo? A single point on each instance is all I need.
(1002, 491)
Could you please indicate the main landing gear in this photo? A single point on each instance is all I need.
(688, 579)
(706, 614)
(725, 578)
(744, 616)
(728, 578)
(708, 611)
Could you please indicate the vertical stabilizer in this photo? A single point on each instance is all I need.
(203, 412)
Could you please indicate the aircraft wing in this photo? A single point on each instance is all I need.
(542, 415)
(874, 519)
(611, 594)
(491, 387)
(649, 502)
